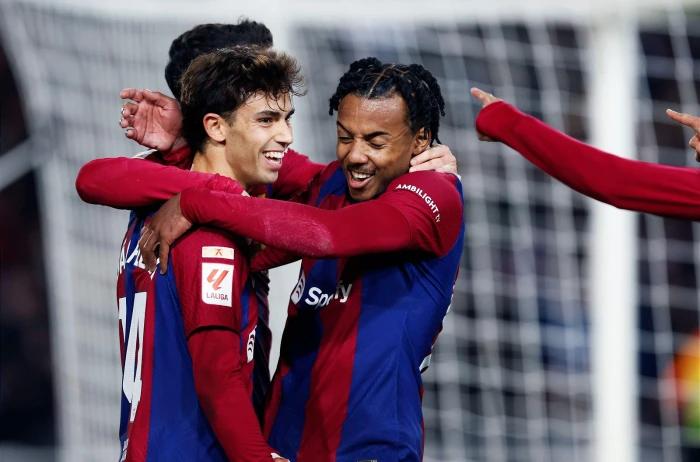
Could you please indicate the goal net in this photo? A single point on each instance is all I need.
(511, 376)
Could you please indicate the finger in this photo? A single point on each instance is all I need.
(127, 121)
(432, 164)
(129, 109)
(424, 156)
(134, 94)
(154, 97)
(694, 143)
(686, 119)
(130, 133)
(480, 95)
(436, 152)
(163, 252)
(127, 93)
(146, 235)
(147, 244)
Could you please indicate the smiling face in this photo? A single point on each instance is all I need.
(257, 136)
(375, 143)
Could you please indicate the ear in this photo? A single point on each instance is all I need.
(421, 141)
(215, 126)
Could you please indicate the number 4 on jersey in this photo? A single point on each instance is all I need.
(131, 383)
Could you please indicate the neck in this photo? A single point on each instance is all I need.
(213, 160)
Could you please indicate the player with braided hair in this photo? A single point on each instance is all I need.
(370, 78)
(154, 120)
(380, 249)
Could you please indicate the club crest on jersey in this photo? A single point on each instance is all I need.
(217, 284)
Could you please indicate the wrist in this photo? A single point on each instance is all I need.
(496, 117)
(178, 144)
(178, 155)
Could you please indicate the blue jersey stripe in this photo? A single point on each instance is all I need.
(177, 420)
(288, 428)
(245, 304)
(129, 290)
(336, 185)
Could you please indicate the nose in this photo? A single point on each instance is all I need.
(284, 135)
(357, 154)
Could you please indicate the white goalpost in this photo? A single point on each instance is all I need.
(539, 358)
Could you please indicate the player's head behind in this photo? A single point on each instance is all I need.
(206, 38)
(236, 108)
(387, 113)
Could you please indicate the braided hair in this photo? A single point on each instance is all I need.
(370, 78)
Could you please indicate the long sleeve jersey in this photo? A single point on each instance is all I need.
(623, 183)
(375, 284)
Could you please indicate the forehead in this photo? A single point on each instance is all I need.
(364, 115)
(260, 101)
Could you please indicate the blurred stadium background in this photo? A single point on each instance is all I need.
(575, 328)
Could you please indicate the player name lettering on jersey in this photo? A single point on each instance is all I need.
(217, 284)
(423, 195)
(134, 259)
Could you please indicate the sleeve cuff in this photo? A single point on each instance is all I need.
(497, 119)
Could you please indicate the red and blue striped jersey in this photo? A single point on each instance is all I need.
(206, 286)
(361, 329)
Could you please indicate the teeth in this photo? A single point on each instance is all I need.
(360, 175)
(273, 155)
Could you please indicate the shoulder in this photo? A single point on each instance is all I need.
(430, 179)
(440, 192)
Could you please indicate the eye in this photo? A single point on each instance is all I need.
(265, 120)
(376, 145)
(344, 139)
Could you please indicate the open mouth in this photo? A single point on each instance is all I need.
(274, 158)
(358, 179)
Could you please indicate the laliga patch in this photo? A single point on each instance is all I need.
(217, 284)
(217, 252)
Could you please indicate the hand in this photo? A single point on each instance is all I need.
(438, 158)
(165, 227)
(151, 118)
(692, 122)
(485, 99)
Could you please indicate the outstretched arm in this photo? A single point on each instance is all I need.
(129, 183)
(420, 211)
(627, 184)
